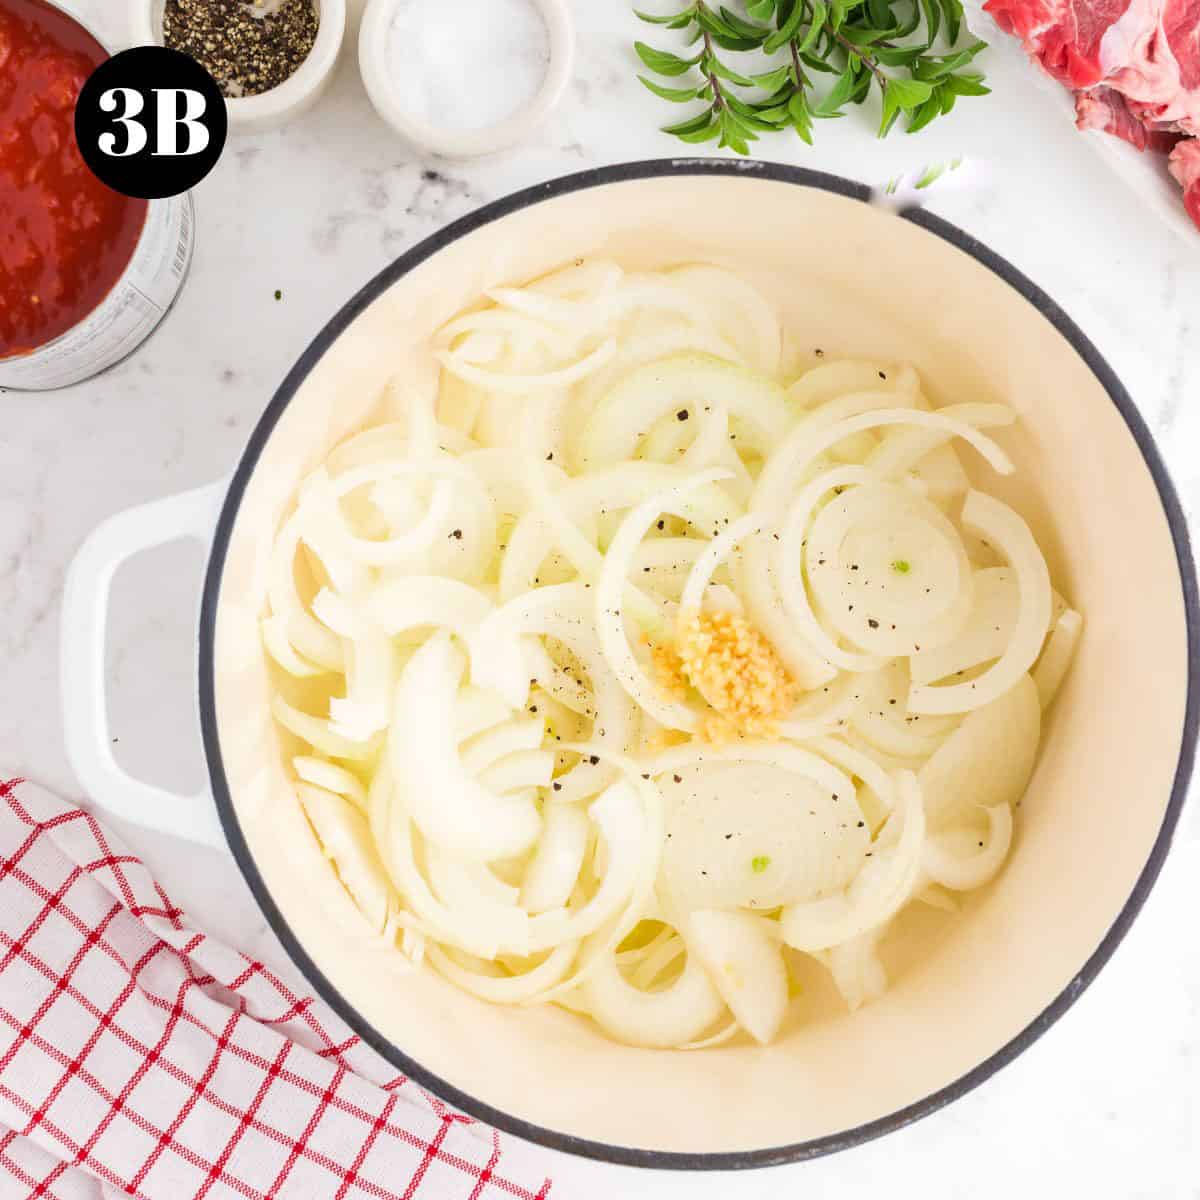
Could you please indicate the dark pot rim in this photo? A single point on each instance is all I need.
(627, 1155)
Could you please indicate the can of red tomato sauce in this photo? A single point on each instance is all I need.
(86, 274)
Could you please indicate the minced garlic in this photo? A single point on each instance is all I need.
(734, 668)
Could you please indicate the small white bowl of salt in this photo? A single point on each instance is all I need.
(464, 80)
(271, 59)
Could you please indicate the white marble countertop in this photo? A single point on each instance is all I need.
(1108, 1103)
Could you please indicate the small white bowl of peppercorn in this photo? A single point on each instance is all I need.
(271, 58)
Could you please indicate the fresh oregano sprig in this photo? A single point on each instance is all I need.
(887, 45)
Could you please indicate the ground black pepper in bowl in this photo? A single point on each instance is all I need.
(247, 50)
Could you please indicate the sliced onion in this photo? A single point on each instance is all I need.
(857, 970)
(475, 710)
(523, 769)
(881, 889)
(830, 380)
(739, 311)
(609, 605)
(320, 735)
(987, 760)
(346, 840)
(743, 958)
(418, 601)
(499, 988)
(1056, 656)
(888, 570)
(279, 646)
(944, 862)
(519, 385)
(499, 741)
(624, 416)
(332, 778)
(995, 601)
(447, 804)
(554, 869)
(670, 1017)
(1004, 529)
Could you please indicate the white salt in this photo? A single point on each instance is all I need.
(466, 64)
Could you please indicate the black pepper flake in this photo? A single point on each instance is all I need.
(457, 534)
(874, 624)
(556, 786)
(661, 524)
(677, 778)
(594, 759)
(682, 415)
(819, 352)
(278, 294)
(882, 374)
(861, 824)
(244, 53)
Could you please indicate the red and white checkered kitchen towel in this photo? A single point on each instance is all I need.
(140, 1057)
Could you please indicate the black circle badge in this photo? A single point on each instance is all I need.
(150, 122)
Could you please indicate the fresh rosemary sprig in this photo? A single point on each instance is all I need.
(866, 44)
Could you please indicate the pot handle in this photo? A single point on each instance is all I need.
(82, 645)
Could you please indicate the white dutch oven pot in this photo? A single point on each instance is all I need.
(969, 991)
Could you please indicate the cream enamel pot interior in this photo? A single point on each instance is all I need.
(969, 992)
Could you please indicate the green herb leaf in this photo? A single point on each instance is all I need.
(908, 93)
(777, 115)
(967, 85)
(732, 136)
(675, 95)
(712, 65)
(705, 133)
(866, 35)
(692, 125)
(759, 863)
(902, 95)
(921, 116)
(740, 27)
(909, 24)
(751, 118)
(725, 35)
(772, 81)
(933, 18)
(787, 30)
(801, 117)
(838, 11)
(880, 12)
(818, 64)
(820, 14)
(953, 12)
(670, 20)
(662, 63)
(929, 176)
(832, 104)
(761, 10)
(904, 56)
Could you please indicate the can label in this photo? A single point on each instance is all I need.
(126, 316)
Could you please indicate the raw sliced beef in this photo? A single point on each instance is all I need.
(1106, 109)
(1134, 66)
(1185, 166)
(1065, 36)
